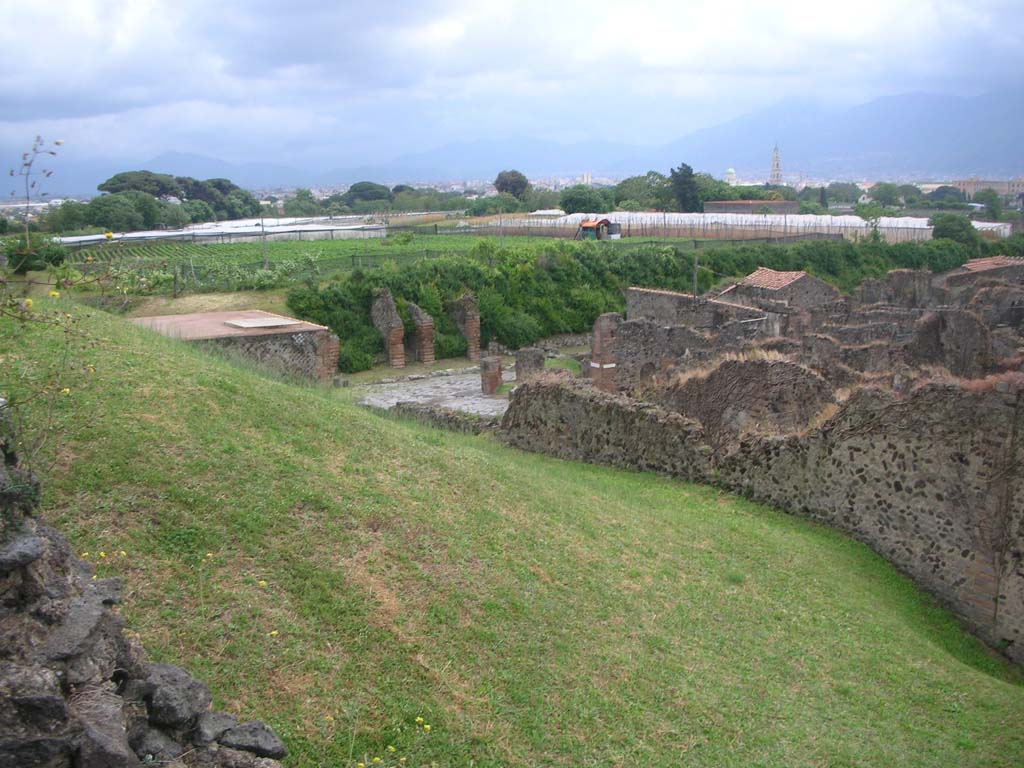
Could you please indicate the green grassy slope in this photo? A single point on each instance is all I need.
(338, 573)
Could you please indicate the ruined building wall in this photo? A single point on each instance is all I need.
(421, 342)
(737, 397)
(466, 314)
(934, 483)
(311, 354)
(388, 323)
(672, 308)
(806, 292)
(645, 350)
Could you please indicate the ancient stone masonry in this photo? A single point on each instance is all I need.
(796, 289)
(74, 689)
(602, 355)
(388, 322)
(490, 375)
(309, 354)
(529, 362)
(933, 482)
(735, 397)
(423, 338)
(466, 314)
(953, 338)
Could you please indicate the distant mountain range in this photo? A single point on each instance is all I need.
(919, 136)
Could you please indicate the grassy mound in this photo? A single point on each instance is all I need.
(339, 574)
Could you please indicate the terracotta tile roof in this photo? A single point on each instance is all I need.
(993, 262)
(771, 280)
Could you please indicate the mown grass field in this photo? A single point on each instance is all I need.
(339, 574)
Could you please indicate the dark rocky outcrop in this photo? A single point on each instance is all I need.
(74, 689)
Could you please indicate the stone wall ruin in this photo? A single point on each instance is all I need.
(933, 482)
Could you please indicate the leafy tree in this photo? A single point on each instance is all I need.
(710, 188)
(951, 226)
(823, 198)
(885, 193)
(400, 188)
(198, 211)
(684, 186)
(302, 204)
(116, 213)
(580, 198)
(512, 182)
(155, 184)
(808, 206)
(910, 193)
(173, 215)
(365, 191)
(649, 192)
(992, 201)
(69, 216)
(946, 194)
(146, 205)
(488, 206)
(843, 192)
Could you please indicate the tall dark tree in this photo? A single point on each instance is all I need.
(684, 185)
(823, 198)
(512, 182)
(155, 184)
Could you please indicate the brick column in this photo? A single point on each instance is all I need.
(490, 375)
(327, 350)
(425, 343)
(396, 348)
(603, 360)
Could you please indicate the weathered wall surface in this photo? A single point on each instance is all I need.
(806, 292)
(573, 420)
(672, 308)
(900, 288)
(934, 483)
(74, 690)
(312, 354)
(645, 349)
(738, 397)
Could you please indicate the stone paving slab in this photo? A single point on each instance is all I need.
(459, 392)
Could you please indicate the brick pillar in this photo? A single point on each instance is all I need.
(327, 350)
(603, 360)
(529, 362)
(466, 314)
(490, 375)
(425, 343)
(473, 337)
(396, 348)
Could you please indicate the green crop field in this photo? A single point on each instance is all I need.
(340, 574)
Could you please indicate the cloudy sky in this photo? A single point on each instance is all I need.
(305, 82)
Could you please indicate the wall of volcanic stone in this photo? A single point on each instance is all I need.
(933, 482)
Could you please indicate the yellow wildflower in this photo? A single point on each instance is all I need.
(123, 553)
(27, 303)
(390, 748)
(108, 235)
(91, 368)
(376, 759)
(419, 720)
(54, 294)
(209, 555)
(329, 718)
(360, 765)
(272, 633)
(103, 554)
(261, 583)
(426, 727)
(85, 554)
(65, 391)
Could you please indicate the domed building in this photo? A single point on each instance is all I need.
(730, 177)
